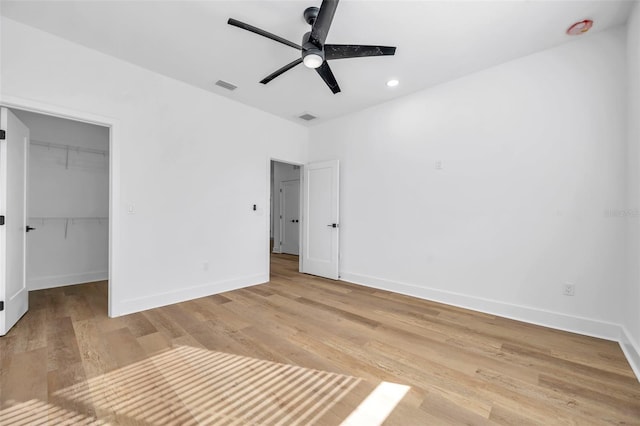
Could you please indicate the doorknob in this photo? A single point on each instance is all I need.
(333, 225)
(29, 228)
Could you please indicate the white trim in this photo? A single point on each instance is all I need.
(560, 321)
(114, 170)
(51, 281)
(184, 294)
(631, 350)
(572, 323)
(269, 200)
(3, 229)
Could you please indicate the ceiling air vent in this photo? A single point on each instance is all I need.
(226, 85)
(308, 117)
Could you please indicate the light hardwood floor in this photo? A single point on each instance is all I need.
(302, 350)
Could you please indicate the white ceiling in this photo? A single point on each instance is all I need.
(436, 41)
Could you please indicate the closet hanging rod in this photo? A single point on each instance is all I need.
(68, 147)
(68, 218)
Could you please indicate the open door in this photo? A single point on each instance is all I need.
(320, 219)
(14, 297)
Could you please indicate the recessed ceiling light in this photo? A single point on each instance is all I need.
(393, 83)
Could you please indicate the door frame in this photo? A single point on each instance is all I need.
(269, 219)
(114, 169)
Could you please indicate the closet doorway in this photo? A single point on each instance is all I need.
(67, 202)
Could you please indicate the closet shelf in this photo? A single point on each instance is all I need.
(68, 218)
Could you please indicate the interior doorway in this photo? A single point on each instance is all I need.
(66, 195)
(312, 221)
(285, 208)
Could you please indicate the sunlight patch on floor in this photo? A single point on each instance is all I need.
(34, 412)
(377, 406)
(187, 385)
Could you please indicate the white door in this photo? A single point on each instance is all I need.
(290, 222)
(13, 206)
(320, 219)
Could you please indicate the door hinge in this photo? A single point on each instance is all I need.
(3, 135)
(2, 220)
(280, 189)
(1, 306)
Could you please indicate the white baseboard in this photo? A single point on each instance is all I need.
(41, 283)
(631, 350)
(130, 306)
(557, 320)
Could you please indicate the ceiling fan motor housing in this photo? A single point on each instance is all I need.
(310, 14)
(308, 45)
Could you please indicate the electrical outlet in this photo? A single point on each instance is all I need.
(205, 266)
(569, 290)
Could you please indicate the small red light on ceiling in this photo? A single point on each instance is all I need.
(580, 27)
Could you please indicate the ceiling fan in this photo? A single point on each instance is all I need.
(315, 53)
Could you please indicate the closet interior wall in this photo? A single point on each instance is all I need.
(68, 201)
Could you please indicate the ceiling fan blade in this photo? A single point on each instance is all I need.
(341, 51)
(325, 72)
(263, 33)
(281, 71)
(323, 22)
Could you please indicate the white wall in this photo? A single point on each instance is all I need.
(631, 303)
(78, 188)
(185, 161)
(533, 157)
(281, 172)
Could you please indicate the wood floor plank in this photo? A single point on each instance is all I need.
(24, 378)
(62, 344)
(154, 343)
(93, 347)
(163, 323)
(123, 347)
(301, 350)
